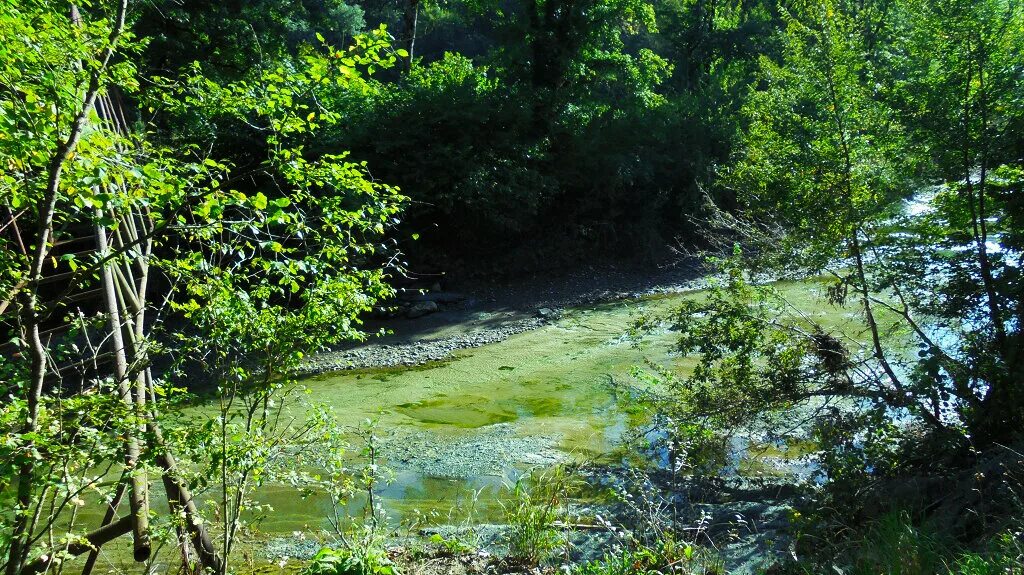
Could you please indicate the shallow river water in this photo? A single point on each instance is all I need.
(473, 423)
(457, 433)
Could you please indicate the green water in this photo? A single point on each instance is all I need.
(457, 432)
(472, 423)
(552, 389)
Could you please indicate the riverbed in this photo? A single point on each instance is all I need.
(461, 429)
(455, 428)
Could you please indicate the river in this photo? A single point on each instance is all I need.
(461, 429)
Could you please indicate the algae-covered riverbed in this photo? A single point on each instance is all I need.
(455, 433)
(457, 430)
(486, 414)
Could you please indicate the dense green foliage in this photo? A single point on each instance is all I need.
(249, 282)
(195, 195)
(230, 38)
(566, 129)
(881, 153)
(827, 163)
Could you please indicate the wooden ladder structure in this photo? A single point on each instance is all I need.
(105, 321)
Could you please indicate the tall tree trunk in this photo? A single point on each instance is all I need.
(133, 297)
(18, 548)
(410, 22)
(181, 497)
(1000, 415)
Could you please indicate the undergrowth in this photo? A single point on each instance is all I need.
(894, 544)
(537, 501)
(351, 561)
(665, 556)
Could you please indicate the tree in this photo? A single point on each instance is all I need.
(964, 92)
(232, 37)
(825, 169)
(285, 272)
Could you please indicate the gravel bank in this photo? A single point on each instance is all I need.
(489, 451)
(490, 313)
(417, 352)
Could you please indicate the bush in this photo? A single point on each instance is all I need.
(364, 561)
(664, 556)
(1006, 557)
(895, 545)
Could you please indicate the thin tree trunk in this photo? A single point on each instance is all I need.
(900, 396)
(1001, 414)
(91, 540)
(108, 518)
(179, 494)
(19, 547)
(410, 22)
(976, 199)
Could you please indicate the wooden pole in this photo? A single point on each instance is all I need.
(138, 498)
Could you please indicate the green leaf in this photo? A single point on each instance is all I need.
(259, 201)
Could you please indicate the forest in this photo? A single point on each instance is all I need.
(461, 287)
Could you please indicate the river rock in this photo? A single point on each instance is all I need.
(445, 297)
(421, 308)
(547, 313)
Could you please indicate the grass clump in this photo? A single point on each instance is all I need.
(667, 555)
(895, 544)
(1005, 557)
(351, 561)
(537, 501)
(450, 546)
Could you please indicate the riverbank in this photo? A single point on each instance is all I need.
(479, 313)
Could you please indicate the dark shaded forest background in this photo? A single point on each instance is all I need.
(527, 135)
